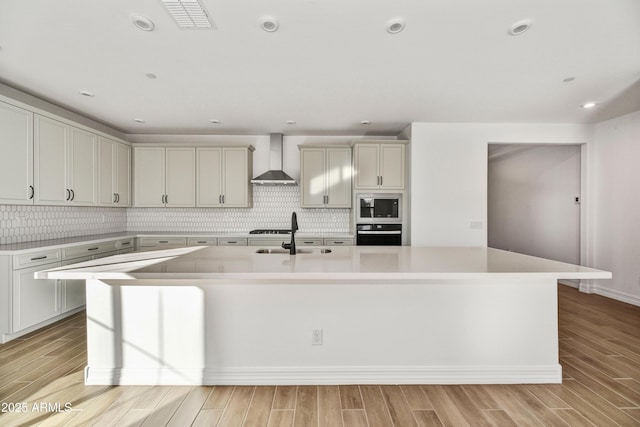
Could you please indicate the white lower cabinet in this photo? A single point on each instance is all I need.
(154, 243)
(34, 300)
(202, 241)
(73, 292)
(232, 241)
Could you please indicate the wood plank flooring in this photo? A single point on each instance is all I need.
(599, 353)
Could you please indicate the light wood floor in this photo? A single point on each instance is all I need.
(599, 352)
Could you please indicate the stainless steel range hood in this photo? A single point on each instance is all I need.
(274, 176)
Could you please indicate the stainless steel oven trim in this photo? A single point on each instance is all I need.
(378, 196)
(380, 232)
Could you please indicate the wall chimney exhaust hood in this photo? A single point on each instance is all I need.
(274, 176)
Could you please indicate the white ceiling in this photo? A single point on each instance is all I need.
(329, 66)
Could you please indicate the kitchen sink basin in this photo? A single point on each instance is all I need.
(298, 251)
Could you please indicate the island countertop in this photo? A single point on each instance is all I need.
(342, 263)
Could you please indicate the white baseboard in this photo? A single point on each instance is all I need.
(617, 295)
(544, 374)
(589, 287)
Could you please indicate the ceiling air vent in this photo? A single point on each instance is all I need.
(188, 13)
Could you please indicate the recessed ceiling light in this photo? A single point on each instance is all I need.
(365, 122)
(142, 22)
(139, 120)
(151, 76)
(520, 27)
(568, 79)
(87, 93)
(395, 25)
(588, 105)
(269, 24)
(215, 121)
(291, 122)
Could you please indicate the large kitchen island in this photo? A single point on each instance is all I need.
(355, 315)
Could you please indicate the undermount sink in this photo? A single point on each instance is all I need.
(298, 251)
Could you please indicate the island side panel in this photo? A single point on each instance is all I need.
(448, 332)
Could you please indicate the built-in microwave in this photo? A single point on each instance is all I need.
(378, 207)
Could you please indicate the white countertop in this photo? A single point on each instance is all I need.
(17, 248)
(397, 263)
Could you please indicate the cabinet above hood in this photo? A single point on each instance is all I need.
(275, 175)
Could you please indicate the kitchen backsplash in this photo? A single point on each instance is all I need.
(28, 223)
(272, 207)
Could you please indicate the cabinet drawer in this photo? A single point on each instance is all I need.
(85, 250)
(162, 242)
(124, 244)
(36, 258)
(268, 242)
(240, 241)
(202, 241)
(309, 242)
(338, 242)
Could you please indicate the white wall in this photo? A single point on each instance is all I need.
(449, 175)
(616, 211)
(531, 200)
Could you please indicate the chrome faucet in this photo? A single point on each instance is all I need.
(294, 227)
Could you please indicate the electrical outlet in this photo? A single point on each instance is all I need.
(316, 337)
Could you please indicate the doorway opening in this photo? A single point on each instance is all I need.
(534, 197)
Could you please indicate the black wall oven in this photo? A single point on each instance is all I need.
(379, 234)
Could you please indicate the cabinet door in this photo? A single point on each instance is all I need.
(50, 169)
(81, 177)
(235, 177)
(106, 166)
(313, 177)
(149, 173)
(339, 177)
(122, 174)
(392, 166)
(34, 300)
(181, 177)
(16, 162)
(366, 166)
(209, 177)
(73, 292)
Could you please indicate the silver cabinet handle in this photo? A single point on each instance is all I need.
(220, 198)
(166, 199)
(38, 258)
(380, 179)
(33, 192)
(125, 243)
(163, 241)
(223, 199)
(68, 195)
(93, 249)
(232, 242)
(115, 198)
(73, 194)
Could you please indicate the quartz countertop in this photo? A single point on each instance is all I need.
(371, 263)
(16, 248)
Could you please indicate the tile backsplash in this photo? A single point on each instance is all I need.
(28, 223)
(272, 207)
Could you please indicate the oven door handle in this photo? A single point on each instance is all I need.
(380, 232)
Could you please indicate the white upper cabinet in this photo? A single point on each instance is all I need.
(379, 166)
(82, 172)
(16, 162)
(223, 176)
(65, 164)
(114, 173)
(164, 177)
(325, 177)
